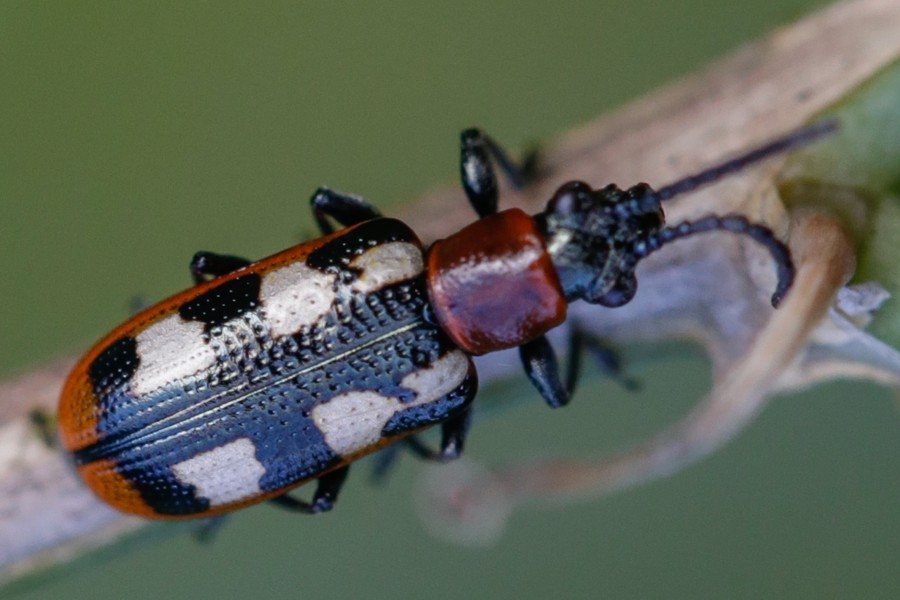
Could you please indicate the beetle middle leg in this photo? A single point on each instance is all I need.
(477, 173)
(453, 436)
(327, 489)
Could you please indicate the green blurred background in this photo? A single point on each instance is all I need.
(133, 134)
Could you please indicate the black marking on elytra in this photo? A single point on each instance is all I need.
(115, 366)
(226, 301)
(163, 492)
(338, 252)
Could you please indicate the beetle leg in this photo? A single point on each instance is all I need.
(328, 487)
(384, 461)
(387, 457)
(478, 178)
(137, 303)
(453, 436)
(208, 265)
(43, 424)
(607, 358)
(346, 209)
(542, 369)
(542, 366)
(208, 529)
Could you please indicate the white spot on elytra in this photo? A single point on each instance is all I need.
(440, 378)
(225, 474)
(169, 350)
(385, 264)
(294, 296)
(353, 421)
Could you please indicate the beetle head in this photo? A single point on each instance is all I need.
(591, 236)
(596, 237)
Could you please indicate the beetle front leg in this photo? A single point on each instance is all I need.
(542, 366)
(581, 340)
(478, 178)
(542, 369)
(208, 265)
(346, 209)
(328, 487)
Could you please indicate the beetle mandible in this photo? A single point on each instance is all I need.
(270, 374)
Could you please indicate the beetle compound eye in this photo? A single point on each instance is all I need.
(569, 199)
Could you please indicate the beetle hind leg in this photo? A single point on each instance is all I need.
(328, 487)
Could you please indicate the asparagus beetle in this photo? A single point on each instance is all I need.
(267, 375)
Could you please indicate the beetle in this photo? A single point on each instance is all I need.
(267, 375)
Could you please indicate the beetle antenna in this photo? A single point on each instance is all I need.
(794, 139)
(735, 224)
